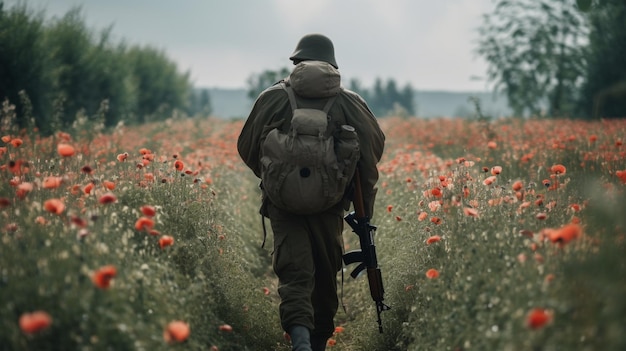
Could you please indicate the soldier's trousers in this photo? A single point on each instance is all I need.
(308, 253)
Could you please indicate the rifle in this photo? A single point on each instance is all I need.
(367, 254)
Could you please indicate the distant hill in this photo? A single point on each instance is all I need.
(234, 103)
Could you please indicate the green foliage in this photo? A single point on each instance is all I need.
(536, 50)
(51, 61)
(261, 81)
(23, 67)
(385, 99)
(604, 91)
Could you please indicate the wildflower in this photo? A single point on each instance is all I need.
(541, 216)
(489, 180)
(55, 206)
(495, 170)
(339, 330)
(422, 216)
(107, 198)
(66, 150)
(148, 210)
(331, 342)
(538, 318)
(86, 169)
(31, 323)
(4, 202)
(166, 241)
(433, 239)
(6, 138)
(432, 273)
(546, 183)
(398, 218)
(23, 189)
(389, 208)
(436, 192)
(87, 189)
(122, 157)
(108, 184)
(144, 151)
(179, 165)
(472, 212)
(565, 234)
(492, 145)
(51, 182)
(102, 277)
(621, 175)
(558, 169)
(517, 186)
(176, 331)
(16, 142)
(144, 223)
(225, 328)
(436, 220)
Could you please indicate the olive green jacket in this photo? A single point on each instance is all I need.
(314, 82)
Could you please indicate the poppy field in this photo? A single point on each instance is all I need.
(500, 234)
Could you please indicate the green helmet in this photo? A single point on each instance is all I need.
(315, 47)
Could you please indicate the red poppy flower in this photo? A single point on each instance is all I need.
(66, 150)
(165, 241)
(538, 318)
(102, 277)
(517, 186)
(558, 169)
(422, 216)
(565, 234)
(433, 239)
(176, 331)
(389, 208)
(148, 210)
(122, 157)
(144, 223)
(471, 212)
(179, 165)
(55, 206)
(432, 273)
(31, 323)
(226, 328)
(495, 170)
(51, 182)
(621, 175)
(17, 142)
(108, 184)
(87, 189)
(107, 198)
(436, 220)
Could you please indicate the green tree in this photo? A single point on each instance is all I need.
(604, 91)
(536, 50)
(23, 64)
(160, 88)
(259, 82)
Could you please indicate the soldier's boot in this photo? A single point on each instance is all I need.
(318, 343)
(300, 338)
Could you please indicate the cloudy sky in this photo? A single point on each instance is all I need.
(427, 43)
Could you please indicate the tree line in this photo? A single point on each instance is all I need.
(384, 98)
(558, 57)
(58, 71)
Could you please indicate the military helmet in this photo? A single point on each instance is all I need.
(315, 47)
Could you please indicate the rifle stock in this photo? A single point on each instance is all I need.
(366, 256)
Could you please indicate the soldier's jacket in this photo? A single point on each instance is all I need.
(314, 82)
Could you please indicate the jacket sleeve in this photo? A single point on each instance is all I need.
(261, 120)
(371, 142)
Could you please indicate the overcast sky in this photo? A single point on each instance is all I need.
(427, 43)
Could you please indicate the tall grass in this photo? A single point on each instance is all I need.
(495, 259)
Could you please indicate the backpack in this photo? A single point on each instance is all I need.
(307, 169)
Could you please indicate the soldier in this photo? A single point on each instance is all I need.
(308, 248)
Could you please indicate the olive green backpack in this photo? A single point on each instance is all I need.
(308, 169)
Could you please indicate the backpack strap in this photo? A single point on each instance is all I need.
(290, 94)
(294, 105)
